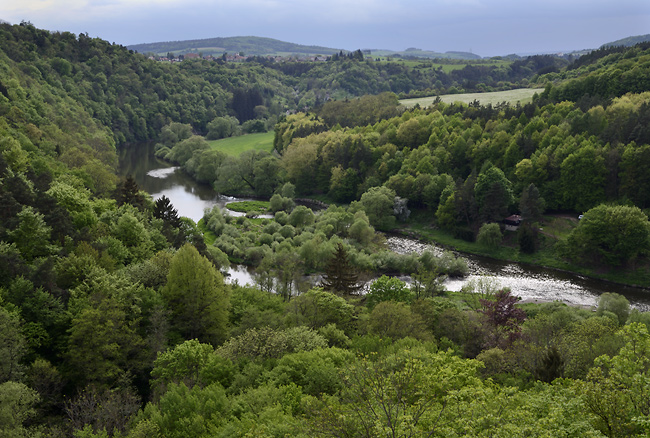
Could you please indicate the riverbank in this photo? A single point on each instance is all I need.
(545, 257)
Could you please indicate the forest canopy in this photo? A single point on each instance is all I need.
(116, 320)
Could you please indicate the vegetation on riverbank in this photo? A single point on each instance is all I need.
(552, 230)
(115, 320)
(250, 207)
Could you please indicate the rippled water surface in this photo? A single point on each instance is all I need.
(531, 282)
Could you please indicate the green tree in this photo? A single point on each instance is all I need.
(340, 276)
(396, 320)
(616, 388)
(387, 289)
(301, 216)
(489, 235)
(183, 412)
(222, 127)
(103, 344)
(182, 152)
(614, 235)
(191, 363)
(317, 308)
(163, 209)
(615, 303)
(32, 236)
(17, 403)
(493, 192)
(531, 204)
(410, 393)
(378, 204)
(583, 178)
(13, 347)
(197, 297)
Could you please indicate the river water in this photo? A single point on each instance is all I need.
(531, 283)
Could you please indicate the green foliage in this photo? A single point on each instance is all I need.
(531, 204)
(493, 192)
(387, 289)
(13, 347)
(396, 320)
(615, 303)
(402, 394)
(17, 403)
(317, 308)
(378, 203)
(222, 127)
(339, 276)
(315, 371)
(489, 235)
(616, 387)
(103, 344)
(190, 363)
(265, 343)
(615, 235)
(197, 297)
(182, 411)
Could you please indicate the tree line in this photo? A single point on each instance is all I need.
(115, 318)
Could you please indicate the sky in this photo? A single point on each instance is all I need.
(483, 27)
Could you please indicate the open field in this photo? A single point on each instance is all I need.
(521, 95)
(236, 145)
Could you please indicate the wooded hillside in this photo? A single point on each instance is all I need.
(116, 321)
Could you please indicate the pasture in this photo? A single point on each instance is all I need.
(521, 95)
(236, 145)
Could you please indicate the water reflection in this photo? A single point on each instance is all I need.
(159, 178)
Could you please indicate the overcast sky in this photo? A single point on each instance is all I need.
(485, 27)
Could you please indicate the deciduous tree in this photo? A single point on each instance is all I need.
(197, 297)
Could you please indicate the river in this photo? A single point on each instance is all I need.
(531, 283)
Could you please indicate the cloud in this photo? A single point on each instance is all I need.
(487, 26)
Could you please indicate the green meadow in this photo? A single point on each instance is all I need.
(236, 145)
(521, 95)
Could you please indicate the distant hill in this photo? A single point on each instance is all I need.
(250, 45)
(629, 41)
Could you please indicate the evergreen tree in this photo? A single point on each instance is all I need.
(163, 209)
(340, 275)
(128, 192)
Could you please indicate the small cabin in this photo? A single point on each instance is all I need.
(512, 223)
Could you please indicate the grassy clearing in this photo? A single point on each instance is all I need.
(256, 207)
(236, 145)
(521, 95)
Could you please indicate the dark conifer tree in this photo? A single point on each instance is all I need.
(340, 276)
(128, 192)
(163, 209)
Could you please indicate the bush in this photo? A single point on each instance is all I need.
(489, 235)
(387, 289)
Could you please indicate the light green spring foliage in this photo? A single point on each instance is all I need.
(614, 235)
(387, 289)
(190, 363)
(197, 297)
(418, 393)
(617, 387)
(265, 343)
(489, 235)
